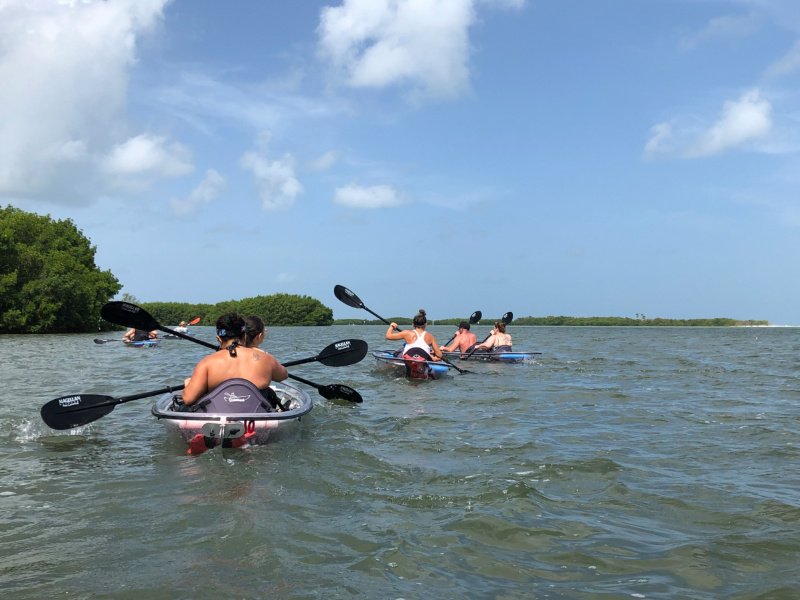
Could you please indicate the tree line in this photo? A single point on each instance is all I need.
(630, 322)
(577, 322)
(276, 310)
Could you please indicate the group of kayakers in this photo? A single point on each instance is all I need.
(240, 356)
(422, 344)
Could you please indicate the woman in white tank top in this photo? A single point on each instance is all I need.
(417, 338)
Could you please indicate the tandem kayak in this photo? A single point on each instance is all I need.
(142, 343)
(502, 357)
(235, 414)
(411, 368)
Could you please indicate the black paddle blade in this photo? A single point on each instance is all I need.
(508, 317)
(348, 297)
(73, 411)
(338, 354)
(337, 391)
(129, 315)
(476, 317)
(343, 353)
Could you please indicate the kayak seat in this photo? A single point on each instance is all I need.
(234, 396)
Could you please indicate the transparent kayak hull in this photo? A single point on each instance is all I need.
(235, 428)
(412, 369)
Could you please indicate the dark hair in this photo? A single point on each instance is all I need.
(254, 325)
(419, 319)
(464, 325)
(230, 326)
(501, 327)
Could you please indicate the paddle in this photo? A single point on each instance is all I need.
(130, 315)
(74, 411)
(194, 321)
(476, 316)
(349, 298)
(507, 318)
(333, 391)
(99, 341)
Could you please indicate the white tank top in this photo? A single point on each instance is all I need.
(419, 343)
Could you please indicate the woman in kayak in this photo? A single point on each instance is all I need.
(255, 331)
(418, 341)
(234, 360)
(139, 335)
(498, 341)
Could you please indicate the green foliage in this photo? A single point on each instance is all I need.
(398, 320)
(627, 321)
(277, 310)
(49, 282)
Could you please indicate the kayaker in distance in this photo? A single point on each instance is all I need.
(418, 341)
(498, 341)
(234, 360)
(182, 328)
(464, 339)
(139, 335)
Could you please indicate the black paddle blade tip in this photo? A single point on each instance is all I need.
(348, 297)
(338, 391)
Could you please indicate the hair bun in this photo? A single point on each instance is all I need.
(422, 311)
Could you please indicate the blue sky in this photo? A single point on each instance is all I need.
(543, 157)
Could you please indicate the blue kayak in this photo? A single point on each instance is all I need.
(142, 344)
(502, 357)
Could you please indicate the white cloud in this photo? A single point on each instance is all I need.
(421, 43)
(324, 162)
(147, 154)
(787, 64)
(275, 180)
(724, 27)
(743, 122)
(64, 73)
(209, 189)
(378, 196)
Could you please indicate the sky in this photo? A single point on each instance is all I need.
(545, 157)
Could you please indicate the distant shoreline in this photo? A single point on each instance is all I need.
(562, 321)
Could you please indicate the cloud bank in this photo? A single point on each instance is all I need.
(64, 71)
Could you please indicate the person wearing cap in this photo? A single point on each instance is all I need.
(464, 339)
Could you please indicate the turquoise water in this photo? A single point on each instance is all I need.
(621, 463)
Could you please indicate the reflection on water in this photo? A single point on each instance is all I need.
(622, 463)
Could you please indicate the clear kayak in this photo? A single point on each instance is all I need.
(235, 414)
(502, 357)
(412, 368)
(142, 343)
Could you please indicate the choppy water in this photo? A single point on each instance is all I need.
(623, 463)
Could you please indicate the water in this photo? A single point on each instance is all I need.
(622, 463)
